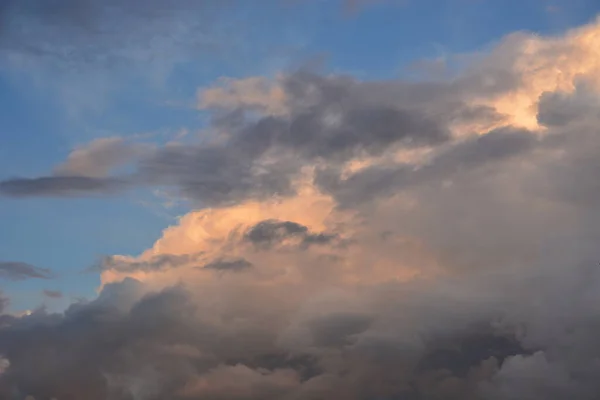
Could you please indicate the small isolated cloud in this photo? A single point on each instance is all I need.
(19, 271)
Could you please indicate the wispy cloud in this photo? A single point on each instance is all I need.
(53, 294)
(371, 239)
(18, 271)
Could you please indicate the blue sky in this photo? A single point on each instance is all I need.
(47, 108)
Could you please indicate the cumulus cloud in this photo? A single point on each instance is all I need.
(432, 240)
(18, 271)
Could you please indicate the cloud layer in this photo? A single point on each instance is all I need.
(353, 240)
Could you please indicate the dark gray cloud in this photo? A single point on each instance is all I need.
(77, 335)
(53, 294)
(269, 233)
(225, 265)
(462, 158)
(337, 329)
(4, 303)
(218, 175)
(559, 109)
(331, 123)
(445, 339)
(61, 186)
(18, 271)
(460, 354)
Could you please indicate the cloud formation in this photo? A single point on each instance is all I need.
(18, 271)
(367, 240)
(306, 118)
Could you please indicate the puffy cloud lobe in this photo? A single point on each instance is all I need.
(18, 271)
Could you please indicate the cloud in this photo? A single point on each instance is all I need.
(255, 93)
(108, 33)
(268, 233)
(53, 294)
(470, 154)
(60, 186)
(444, 337)
(100, 157)
(4, 303)
(375, 240)
(86, 171)
(305, 117)
(18, 271)
(249, 383)
(130, 264)
(234, 265)
(356, 5)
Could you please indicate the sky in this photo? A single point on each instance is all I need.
(299, 199)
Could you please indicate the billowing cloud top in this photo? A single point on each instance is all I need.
(353, 240)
